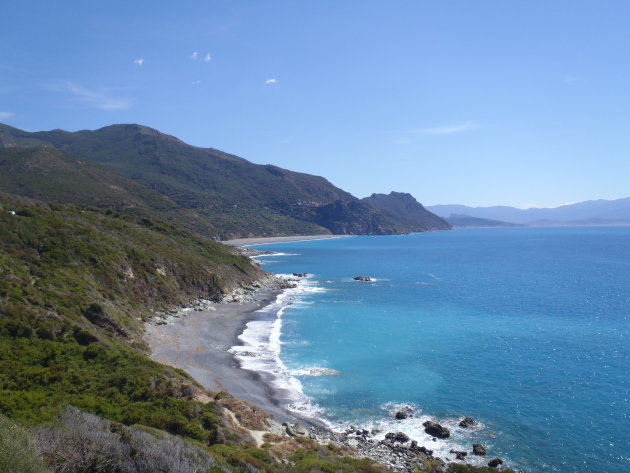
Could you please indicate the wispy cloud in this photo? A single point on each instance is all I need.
(5, 115)
(207, 58)
(196, 82)
(194, 56)
(102, 98)
(271, 81)
(139, 61)
(446, 129)
(569, 79)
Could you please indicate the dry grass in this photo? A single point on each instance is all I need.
(249, 416)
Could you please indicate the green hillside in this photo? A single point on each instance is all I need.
(237, 197)
(50, 175)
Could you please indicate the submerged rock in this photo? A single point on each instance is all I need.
(436, 430)
(467, 422)
(479, 450)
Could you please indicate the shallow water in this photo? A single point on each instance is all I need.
(526, 330)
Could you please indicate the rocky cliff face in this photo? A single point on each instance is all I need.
(355, 218)
(406, 211)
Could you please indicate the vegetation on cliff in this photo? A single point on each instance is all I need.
(233, 195)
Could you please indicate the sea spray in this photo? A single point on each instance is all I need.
(261, 347)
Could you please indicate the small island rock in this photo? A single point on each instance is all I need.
(467, 422)
(495, 462)
(363, 278)
(400, 415)
(479, 450)
(436, 430)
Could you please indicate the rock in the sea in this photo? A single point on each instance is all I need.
(397, 437)
(437, 430)
(495, 462)
(479, 450)
(300, 275)
(460, 455)
(362, 278)
(467, 422)
(400, 415)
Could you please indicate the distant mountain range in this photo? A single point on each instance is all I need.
(208, 191)
(589, 213)
(461, 221)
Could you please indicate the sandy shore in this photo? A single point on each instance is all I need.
(282, 239)
(198, 342)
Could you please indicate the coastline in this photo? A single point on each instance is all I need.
(211, 345)
(200, 340)
(241, 242)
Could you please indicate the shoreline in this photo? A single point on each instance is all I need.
(205, 343)
(200, 340)
(242, 242)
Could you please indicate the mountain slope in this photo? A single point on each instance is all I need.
(50, 175)
(238, 197)
(406, 211)
(591, 212)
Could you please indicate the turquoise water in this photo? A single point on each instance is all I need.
(526, 330)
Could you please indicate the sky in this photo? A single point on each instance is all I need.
(522, 103)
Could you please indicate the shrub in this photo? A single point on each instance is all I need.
(18, 451)
(84, 443)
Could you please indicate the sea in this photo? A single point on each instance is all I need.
(527, 330)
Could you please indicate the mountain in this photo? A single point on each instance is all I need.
(592, 212)
(50, 175)
(237, 197)
(406, 211)
(460, 221)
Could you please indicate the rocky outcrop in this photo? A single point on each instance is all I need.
(459, 455)
(479, 450)
(495, 462)
(407, 212)
(362, 278)
(467, 422)
(400, 415)
(397, 437)
(436, 430)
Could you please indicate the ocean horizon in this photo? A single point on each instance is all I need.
(523, 329)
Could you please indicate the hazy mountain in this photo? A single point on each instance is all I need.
(406, 211)
(460, 221)
(235, 196)
(592, 212)
(50, 175)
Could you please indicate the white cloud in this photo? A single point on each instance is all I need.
(139, 61)
(271, 81)
(208, 58)
(196, 82)
(100, 98)
(5, 115)
(194, 56)
(446, 129)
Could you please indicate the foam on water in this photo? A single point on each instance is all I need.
(261, 346)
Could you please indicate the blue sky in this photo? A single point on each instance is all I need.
(471, 102)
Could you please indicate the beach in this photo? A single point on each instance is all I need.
(199, 342)
(282, 239)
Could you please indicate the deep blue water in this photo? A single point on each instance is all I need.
(526, 330)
